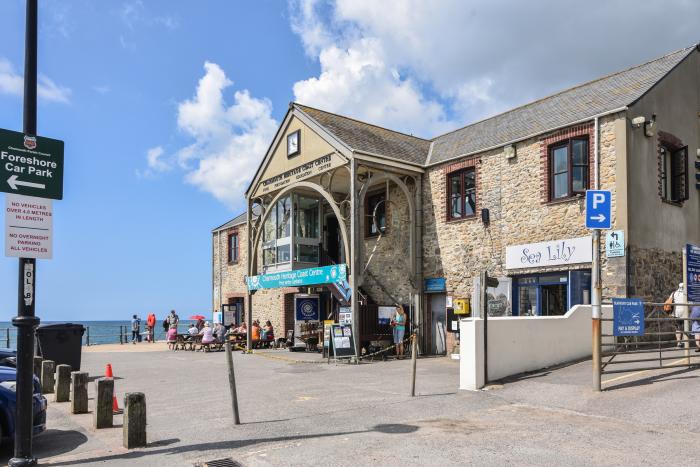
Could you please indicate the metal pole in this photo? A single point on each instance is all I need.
(87, 337)
(596, 294)
(354, 263)
(414, 353)
(7, 337)
(686, 323)
(25, 321)
(484, 315)
(232, 383)
(249, 326)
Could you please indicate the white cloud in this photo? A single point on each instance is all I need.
(13, 84)
(229, 140)
(101, 88)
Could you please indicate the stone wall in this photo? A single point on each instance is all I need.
(228, 276)
(512, 190)
(654, 273)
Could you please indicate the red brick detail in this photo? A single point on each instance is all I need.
(586, 129)
(451, 168)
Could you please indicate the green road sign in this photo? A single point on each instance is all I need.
(31, 165)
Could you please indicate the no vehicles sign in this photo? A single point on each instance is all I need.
(31, 165)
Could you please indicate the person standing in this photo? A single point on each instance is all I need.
(398, 322)
(680, 312)
(135, 329)
(151, 324)
(173, 319)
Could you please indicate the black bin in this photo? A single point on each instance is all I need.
(61, 343)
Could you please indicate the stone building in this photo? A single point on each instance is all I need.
(416, 221)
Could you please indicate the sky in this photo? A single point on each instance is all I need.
(167, 106)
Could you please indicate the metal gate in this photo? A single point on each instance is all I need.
(668, 342)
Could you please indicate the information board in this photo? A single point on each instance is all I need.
(28, 227)
(628, 317)
(693, 271)
(342, 341)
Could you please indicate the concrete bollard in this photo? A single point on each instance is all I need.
(37, 365)
(48, 376)
(62, 393)
(134, 430)
(104, 391)
(79, 393)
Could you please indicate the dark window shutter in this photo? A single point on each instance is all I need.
(685, 194)
(679, 175)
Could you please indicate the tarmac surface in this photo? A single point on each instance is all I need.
(341, 414)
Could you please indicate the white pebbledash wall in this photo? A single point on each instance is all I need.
(520, 344)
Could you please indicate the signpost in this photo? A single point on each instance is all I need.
(31, 165)
(615, 244)
(598, 216)
(628, 317)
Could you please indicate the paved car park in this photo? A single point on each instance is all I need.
(340, 414)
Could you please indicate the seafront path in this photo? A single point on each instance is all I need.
(341, 414)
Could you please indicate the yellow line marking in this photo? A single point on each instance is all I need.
(629, 375)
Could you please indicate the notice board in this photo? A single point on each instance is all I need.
(342, 341)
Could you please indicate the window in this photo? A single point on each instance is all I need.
(233, 248)
(551, 294)
(461, 196)
(673, 174)
(277, 233)
(375, 209)
(568, 168)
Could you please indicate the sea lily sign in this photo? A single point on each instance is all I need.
(552, 253)
(31, 165)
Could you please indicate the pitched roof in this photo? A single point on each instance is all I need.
(364, 137)
(563, 108)
(238, 220)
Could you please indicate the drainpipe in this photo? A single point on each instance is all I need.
(597, 291)
(220, 273)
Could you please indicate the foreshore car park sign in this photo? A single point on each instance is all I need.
(31, 165)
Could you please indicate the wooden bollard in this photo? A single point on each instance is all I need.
(48, 376)
(62, 393)
(37, 365)
(79, 393)
(104, 391)
(134, 431)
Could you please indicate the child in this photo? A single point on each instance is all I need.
(171, 336)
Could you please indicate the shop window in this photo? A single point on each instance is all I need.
(568, 168)
(550, 294)
(375, 209)
(461, 196)
(233, 248)
(673, 173)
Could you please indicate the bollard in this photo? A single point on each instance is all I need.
(134, 428)
(104, 391)
(79, 395)
(121, 335)
(62, 393)
(48, 376)
(7, 337)
(414, 357)
(37, 365)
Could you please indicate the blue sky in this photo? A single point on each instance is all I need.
(167, 106)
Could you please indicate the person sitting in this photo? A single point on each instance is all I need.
(192, 331)
(171, 337)
(268, 333)
(207, 334)
(242, 329)
(200, 324)
(255, 333)
(219, 332)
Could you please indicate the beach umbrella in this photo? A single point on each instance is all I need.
(196, 317)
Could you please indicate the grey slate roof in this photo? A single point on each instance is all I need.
(364, 137)
(238, 220)
(579, 103)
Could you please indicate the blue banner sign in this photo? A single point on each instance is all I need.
(693, 271)
(628, 317)
(434, 284)
(307, 308)
(310, 276)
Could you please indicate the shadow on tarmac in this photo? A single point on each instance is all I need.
(50, 443)
(393, 428)
(674, 375)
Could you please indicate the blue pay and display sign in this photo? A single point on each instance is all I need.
(693, 272)
(598, 209)
(628, 317)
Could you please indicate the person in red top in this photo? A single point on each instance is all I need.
(151, 324)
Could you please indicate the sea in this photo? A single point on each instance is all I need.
(96, 332)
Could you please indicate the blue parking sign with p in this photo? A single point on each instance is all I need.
(598, 209)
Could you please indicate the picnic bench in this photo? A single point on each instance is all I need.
(188, 342)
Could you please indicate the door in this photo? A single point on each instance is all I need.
(438, 313)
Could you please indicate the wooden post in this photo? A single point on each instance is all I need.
(7, 337)
(414, 353)
(62, 393)
(104, 392)
(48, 377)
(121, 336)
(87, 337)
(134, 429)
(232, 383)
(79, 393)
(37, 365)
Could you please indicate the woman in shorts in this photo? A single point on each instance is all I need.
(398, 322)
